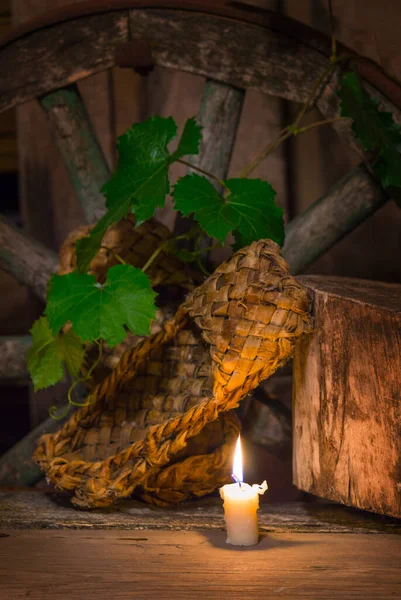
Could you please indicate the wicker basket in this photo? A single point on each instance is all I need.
(161, 425)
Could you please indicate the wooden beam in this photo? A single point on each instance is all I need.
(79, 148)
(25, 258)
(352, 200)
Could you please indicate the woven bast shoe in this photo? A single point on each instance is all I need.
(161, 425)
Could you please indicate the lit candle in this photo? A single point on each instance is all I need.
(241, 502)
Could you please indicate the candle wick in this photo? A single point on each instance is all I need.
(236, 479)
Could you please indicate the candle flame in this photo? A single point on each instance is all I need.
(237, 464)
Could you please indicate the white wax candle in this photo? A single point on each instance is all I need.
(241, 503)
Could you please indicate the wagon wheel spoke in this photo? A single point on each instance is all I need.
(79, 148)
(219, 115)
(29, 261)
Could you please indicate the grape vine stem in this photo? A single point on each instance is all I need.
(220, 181)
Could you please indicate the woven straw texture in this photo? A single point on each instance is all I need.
(161, 425)
(134, 245)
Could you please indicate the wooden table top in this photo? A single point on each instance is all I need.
(49, 550)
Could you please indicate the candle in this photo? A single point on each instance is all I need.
(241, 502)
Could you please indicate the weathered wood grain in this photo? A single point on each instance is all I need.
(25, 258)
(275, 61)
(13, 351)
(36, 508)
(79, 148)
(41, 62)
(252, 56)
(197, 564)
(219, 116)
(352, 200)
(347, 402)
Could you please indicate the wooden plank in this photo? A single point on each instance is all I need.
(167, 92)
(13, 352)
(79, 148)
(352, 200)
(197, 564)
(97, 96)
(347, 402)
(129, 99)
(37, 508)
(25, 258)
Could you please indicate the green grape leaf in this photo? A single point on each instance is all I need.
(374, 128)
(141, 179)
(259, 216)
(101, 311)
(49, 352)
(189, 141)
(88, 246)
(195, 194)
(248, 210)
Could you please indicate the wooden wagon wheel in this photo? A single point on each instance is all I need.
(236, 49)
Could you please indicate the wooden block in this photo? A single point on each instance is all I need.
(346, 396)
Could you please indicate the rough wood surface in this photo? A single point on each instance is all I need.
(219, 115)
(275, 62)
(347, 402)
(352, 200)
(197, 564)
(25, 258)
(37, 508)
(79, 148)
(62, 55)
(13, 352)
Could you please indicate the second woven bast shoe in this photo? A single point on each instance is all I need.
(161, 424)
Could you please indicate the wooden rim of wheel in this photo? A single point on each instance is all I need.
(241, 13)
